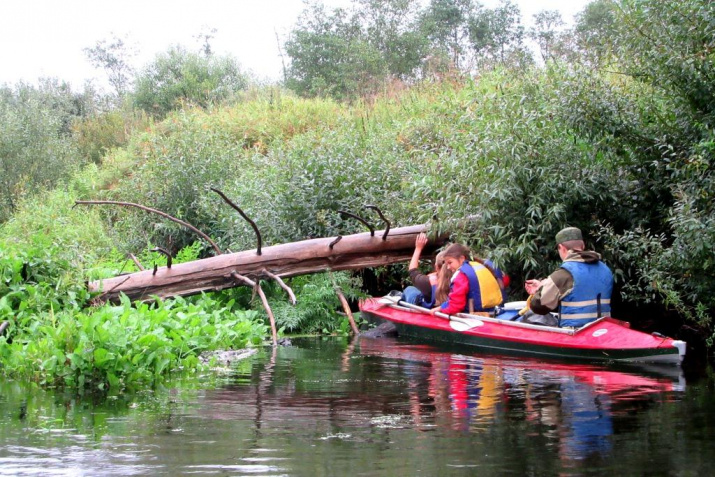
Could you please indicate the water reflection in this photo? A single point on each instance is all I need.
(571, 405)
(337, 407)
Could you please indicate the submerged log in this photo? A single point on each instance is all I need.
(286, 260)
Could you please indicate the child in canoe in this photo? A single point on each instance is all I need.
(423, 290)
(475, 286)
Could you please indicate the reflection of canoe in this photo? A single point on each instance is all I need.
(621, 382)
(606, 339)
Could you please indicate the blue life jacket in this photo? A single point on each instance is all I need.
(484, 290)
(590, 297)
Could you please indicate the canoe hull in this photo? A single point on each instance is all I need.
(604, 340)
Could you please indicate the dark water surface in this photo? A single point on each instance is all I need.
(327, 407)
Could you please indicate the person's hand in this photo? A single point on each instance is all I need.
(434, 310)
(532, 286)
(421, 241)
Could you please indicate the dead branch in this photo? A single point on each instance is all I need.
(165, 253)
(337, 239)
(346, 307)
(243, 214)
(257, 287)
(136, 262)
(158, 212)
(387, 222)
(359, 219)
(282, 284)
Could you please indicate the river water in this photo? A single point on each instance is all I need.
(369, 407)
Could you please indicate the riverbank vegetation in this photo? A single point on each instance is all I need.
(609, 129)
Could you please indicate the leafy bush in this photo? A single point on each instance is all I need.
(96, 135)
(178, 78)
(36, 149)
(236, 150)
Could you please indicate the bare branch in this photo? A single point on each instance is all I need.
(149, 209)
(360, 219)
(387, 222)
(291, 295)
(243, 214)
(337, 239)
(166, 254)
(136, 262)
(346, 307)
(257, 287)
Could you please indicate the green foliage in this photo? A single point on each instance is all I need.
(124, 346)
(316, 310)
(547, 33)
(392, 28)
(36, 281)
(658, 126)
(502, 161)
(54, 339)
(178, 78)
(496, 34)
(681, 61)
(446, 24)
(36, 148)
(96, 135)
(332, 56)
(45, 249)
(595, 32)
(346, 54)
(229, 150)
(115, 262)
(93, 181)
(48, 225)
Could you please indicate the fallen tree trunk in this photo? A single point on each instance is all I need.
(286, 260)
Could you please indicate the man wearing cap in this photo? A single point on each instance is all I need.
(581, 287)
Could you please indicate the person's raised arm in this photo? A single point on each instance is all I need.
(420, 243)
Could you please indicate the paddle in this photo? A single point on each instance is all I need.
(459, 324)
(527, 306)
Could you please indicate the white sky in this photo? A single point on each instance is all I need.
(46, 37)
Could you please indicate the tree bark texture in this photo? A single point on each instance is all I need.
(356, 251)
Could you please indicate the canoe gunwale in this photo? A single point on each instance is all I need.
(516, 324)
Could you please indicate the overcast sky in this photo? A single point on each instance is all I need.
(46, 37)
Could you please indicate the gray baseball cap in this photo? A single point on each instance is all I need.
(568, 234)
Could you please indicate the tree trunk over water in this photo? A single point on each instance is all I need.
(286, 260)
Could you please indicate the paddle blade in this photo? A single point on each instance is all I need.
(464, 324)
(392, 298)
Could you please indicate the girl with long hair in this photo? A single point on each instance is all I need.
(466, 286)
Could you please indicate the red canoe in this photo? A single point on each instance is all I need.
(606, 339)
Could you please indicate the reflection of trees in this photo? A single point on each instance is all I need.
(376, 401)
(566, 408)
